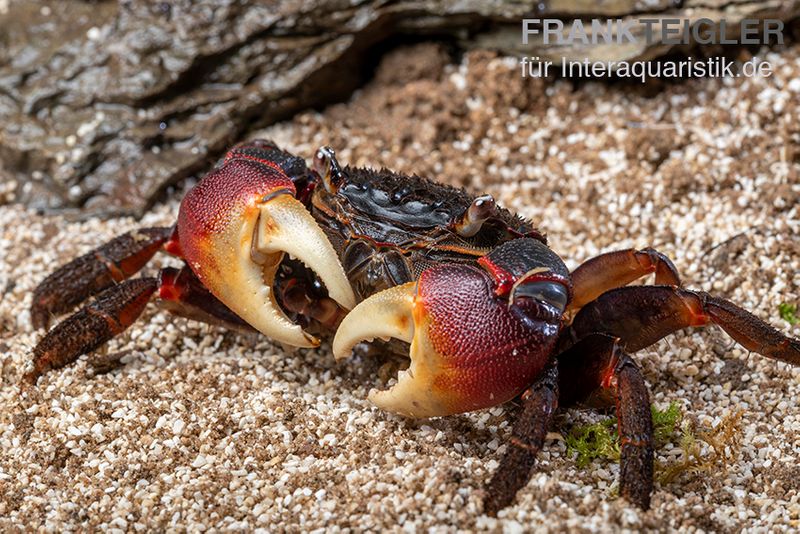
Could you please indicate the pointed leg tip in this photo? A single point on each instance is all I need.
(40, 319)
(492, 505)
(641, 501)
(30, 379)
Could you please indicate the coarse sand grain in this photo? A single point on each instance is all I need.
(204, 428)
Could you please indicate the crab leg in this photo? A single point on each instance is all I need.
(95, 271)
(540, 402)
(640, 316)
(115, 309)
(619, 268)
(635, 425)
(87, 329)
(598, 365)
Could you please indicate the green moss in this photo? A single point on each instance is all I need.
(788, 313)
(665, 422)
(601, 440)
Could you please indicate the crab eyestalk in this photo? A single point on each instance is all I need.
(327, 167)
(471, 221)
(236, 226)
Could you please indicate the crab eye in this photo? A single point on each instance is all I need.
(328, 168)
(323, 159)
(548, 291)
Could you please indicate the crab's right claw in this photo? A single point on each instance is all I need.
(470, 349)
(235, 227)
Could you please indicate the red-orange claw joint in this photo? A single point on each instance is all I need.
(470, 348)
(236, 225)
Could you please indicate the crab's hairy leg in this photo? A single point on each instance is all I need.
(115, 309)
(642, 315)
(619, 268)
(540, 402)
(598, 364)
(111, 313)
(635, 425)
(87, 275)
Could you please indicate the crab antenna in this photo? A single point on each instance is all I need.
(481, 209)
(328, 168)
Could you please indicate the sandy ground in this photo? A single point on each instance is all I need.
(207, 429)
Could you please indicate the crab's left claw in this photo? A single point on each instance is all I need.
(470, 347)
(235, 227)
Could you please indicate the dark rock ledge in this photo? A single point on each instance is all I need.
(105, 104)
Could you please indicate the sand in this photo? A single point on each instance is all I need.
(207, 429)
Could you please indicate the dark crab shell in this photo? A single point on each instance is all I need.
(389, 227)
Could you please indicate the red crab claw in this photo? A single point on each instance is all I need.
(474, 342)
(235, 227)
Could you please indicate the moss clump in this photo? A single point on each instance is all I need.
(665, 422)
(601, 440)
(788, 313)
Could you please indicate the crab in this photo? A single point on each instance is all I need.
(485, 311)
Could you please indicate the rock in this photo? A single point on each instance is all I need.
(104, 105)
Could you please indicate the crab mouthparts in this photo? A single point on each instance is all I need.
(248, 260)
